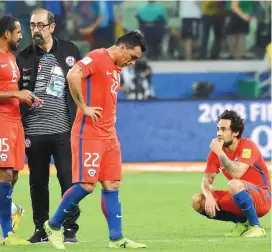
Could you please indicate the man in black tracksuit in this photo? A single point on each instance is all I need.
(43, 67)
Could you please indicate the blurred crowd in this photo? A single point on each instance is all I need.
(182, 30)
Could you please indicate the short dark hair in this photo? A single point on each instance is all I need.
(50, 15)
(237, 123)
(131, 40)
(7, 23)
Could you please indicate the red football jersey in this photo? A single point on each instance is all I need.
(9, 77)
(246, 152)
(100, 87)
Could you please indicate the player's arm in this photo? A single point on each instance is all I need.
(6, 95)
(24, 96)
(74, 78)
(206, 185)
(210, 173)
(210, 203)
(235, 169)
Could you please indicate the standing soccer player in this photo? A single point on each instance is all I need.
(12, 143)
(249, 194)
(94, 82)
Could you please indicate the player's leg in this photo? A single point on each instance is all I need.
(243, 194)
(5, 200)
(86, 158)
(10, 238)
(17, 210)
(63, 165)
(228, 211)
(198, 204)
(110, 176)
(8, 136)
(7, 163)
(15, 177)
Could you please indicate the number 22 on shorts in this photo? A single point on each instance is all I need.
(91, 159)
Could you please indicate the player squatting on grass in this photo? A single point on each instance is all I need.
(249, 194)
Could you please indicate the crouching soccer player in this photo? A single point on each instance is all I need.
(249, 194)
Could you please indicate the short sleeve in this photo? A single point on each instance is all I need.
(87, 65)
(249, 153)
(213, 163)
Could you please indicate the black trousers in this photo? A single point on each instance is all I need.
(39, 150)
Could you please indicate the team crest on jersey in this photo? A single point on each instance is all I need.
(70, 61)
(27, 143)
(39, 68)
(91, 172)
(246, 153)
(3, 157)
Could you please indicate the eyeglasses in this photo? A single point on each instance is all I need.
(39, 26)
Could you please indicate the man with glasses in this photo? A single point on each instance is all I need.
(43, 66)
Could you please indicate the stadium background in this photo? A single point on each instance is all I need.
(172, 131)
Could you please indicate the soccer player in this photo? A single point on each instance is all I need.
(249, 193)
(12, 143)
(94, 83)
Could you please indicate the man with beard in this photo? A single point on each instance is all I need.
(11, 133)
(249, 194)
(44, 65)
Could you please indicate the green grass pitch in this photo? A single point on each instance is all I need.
(156, 210)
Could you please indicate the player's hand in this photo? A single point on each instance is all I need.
(36, 101)
(211, 206)
(93, 112)
(216, 145)
(25, 96)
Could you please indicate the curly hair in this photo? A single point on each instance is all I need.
(237, 123)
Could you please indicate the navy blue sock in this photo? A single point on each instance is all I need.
(111, 208)
(226, 216)
(69, 201)
(245, 202)
(5, 208)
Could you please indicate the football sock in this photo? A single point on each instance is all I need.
(245, 202)
(69, 201)
(111, 208)
(5, 208)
